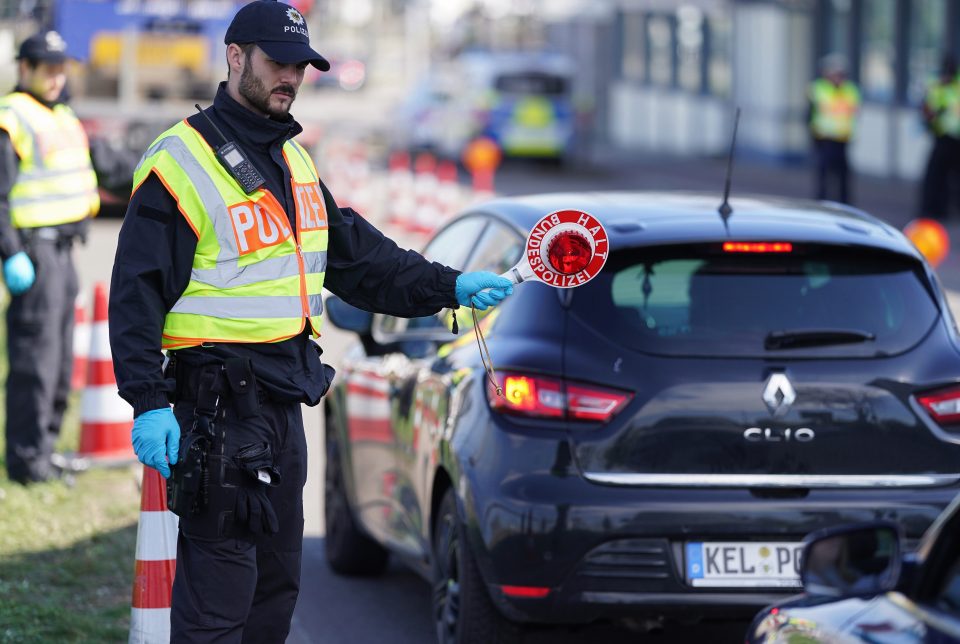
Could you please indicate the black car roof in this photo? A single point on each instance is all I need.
(648, 218)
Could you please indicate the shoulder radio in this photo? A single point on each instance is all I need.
(235, 161)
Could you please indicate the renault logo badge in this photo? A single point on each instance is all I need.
(779, 394)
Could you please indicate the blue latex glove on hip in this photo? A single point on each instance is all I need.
(470, 289)
(18, 273)
(156, 438)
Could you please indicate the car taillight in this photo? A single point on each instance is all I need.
(943, 406)
(525, 592)
(757, 247)
(543, 397)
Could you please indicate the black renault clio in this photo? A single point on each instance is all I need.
(667, 433)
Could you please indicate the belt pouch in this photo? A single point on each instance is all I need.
(243, 386)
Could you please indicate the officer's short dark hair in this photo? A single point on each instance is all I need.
(247, 49)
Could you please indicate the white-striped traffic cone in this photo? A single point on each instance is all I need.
(81, 343)
(425, 186)
(448, 194)
(400, 189)
(337, 171)
(105, 419)
(156, 563)
(358, 171)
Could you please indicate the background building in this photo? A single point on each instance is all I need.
(653, 76)
(677, 70)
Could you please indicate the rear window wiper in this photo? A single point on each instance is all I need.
(799, 338)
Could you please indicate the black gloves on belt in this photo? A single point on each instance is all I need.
(253, 507)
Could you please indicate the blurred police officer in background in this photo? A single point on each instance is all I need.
(834, 102)
(227, 242)
(48, 190)
(941, 115)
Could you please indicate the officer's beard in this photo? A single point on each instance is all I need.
(253, 89)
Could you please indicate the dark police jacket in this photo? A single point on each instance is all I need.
(155, 256)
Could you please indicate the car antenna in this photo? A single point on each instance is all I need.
(725, 210)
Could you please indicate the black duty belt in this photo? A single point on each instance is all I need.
(232, 380)
(51, 234)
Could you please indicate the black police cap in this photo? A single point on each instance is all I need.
(46, 47)
(278, 29)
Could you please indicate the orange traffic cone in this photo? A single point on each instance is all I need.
(81, 343)
(105, 419)
(156, 563)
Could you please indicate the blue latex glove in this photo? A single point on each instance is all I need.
(470, 289)
(18, 273)
(156, 438)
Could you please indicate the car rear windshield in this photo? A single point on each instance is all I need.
(532, 83)
(816, 300)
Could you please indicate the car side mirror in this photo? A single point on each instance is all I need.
(845, 561)
(388, 329)
(348, 317)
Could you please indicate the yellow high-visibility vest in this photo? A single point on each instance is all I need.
(254, 279)
(55, 182)
(943, 100)
(834, 109)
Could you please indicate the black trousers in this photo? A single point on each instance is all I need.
(235, 586)
(939, 180)
(833, 171)
(40, 351)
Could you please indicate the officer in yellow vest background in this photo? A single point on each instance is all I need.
(941, 114)
(228, 241)
(48, 190)
(834, 102)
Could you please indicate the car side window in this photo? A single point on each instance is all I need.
(948, 599)
(452, 245)
(498, 249)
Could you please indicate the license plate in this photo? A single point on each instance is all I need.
(744, 564)
(546, 138)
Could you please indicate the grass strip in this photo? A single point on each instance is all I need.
(67, 553)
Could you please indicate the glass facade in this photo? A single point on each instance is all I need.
(687, 49)
(893, 47)
(926, 46)
(660, 37)
(837, 27)
(877, 50)
(719, 54)
(633, 60)
(690, 48)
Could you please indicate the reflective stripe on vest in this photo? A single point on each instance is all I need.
(253, 279)
(56, 183)
(834, 109)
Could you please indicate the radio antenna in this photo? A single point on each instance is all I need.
(725, 210)
(210, 121)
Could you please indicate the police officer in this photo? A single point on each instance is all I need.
(834, 102)
(226, 275)
(48, 189)
(941, 114)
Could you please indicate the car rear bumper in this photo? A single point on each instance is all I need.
(572, 607)
(615, 551)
